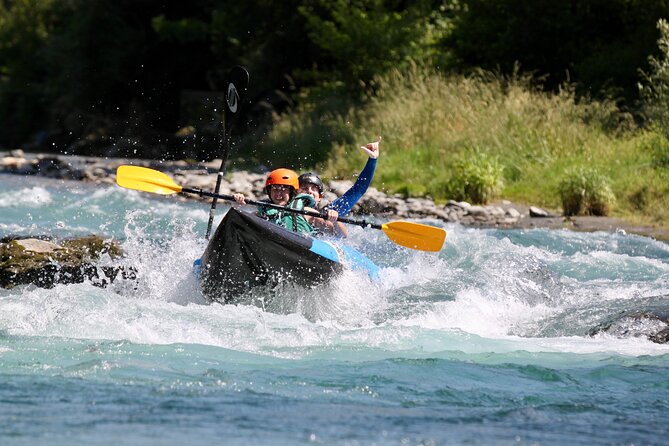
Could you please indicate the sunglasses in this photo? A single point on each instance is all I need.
(280, 187)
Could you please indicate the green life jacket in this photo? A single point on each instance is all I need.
(289, 220)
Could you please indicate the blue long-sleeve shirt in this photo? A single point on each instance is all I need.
(345, 203)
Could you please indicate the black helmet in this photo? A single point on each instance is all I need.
(311, 178)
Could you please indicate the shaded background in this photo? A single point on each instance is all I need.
(144, 78)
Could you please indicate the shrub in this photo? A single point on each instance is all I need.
(477, 178)
(660, 153)
(584, 191)
(654, 88)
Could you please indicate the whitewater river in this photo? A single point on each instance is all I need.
(484, 343)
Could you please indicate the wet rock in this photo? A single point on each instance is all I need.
(651, 325)
(45, 263)
(661, 337)
(12, 163)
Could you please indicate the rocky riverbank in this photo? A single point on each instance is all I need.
(498, 215)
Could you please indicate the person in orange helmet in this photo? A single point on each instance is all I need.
(281, 187)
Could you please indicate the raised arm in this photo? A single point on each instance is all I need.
(345, 203)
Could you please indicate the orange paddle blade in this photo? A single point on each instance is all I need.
(415, 235)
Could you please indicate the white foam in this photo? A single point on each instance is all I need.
(482, 294)
(32, 197)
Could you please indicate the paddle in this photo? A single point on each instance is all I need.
(404, 233)
(238, 82)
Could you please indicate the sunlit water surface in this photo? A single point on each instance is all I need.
(485, 343)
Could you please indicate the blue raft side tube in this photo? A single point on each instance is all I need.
(345, 255)
(359, 261)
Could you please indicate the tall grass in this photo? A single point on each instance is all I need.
(429, 121)
(584, 191)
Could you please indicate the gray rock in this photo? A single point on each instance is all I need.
(37, 245)
(495, 211)
(513, 213)
(538, 212)
(477, 211)
(338, 187)
(507, 221)
(653, 325)
(12, 163)
(441, 214)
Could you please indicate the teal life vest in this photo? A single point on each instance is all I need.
(289, 220)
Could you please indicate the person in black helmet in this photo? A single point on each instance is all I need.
(311, 184)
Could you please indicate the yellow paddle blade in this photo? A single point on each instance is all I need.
(415, 235)
(148, 180)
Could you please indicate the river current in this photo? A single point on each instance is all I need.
(487, 342)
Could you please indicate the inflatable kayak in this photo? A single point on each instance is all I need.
(247, 251)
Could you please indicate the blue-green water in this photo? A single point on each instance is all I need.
(485, 343)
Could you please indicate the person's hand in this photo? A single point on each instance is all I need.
(239, 198)
(332, 215)
(372, 148)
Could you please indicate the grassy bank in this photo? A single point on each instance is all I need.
(528, 140)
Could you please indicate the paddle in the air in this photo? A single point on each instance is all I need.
(408, 234)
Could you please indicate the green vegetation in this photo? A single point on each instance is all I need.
(516, 141)
(655, 86)
(73, 71)
(585, 191)
(477, 177)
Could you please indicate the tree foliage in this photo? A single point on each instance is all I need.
(25, 28)
(72, 68)
(655, 84)
(598, 44)
(361, 39)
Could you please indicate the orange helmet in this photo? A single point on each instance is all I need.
(282, 176)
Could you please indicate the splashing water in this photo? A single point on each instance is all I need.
(488, 341)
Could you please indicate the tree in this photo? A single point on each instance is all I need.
(360, 39)
(598, 44)
(25, 26)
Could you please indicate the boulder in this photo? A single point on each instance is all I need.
(537, 212)
(651, 324)
(46, 263)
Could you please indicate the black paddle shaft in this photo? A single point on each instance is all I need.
(203, 193)
(237, 83)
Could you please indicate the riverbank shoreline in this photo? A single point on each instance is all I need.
(502, 214)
